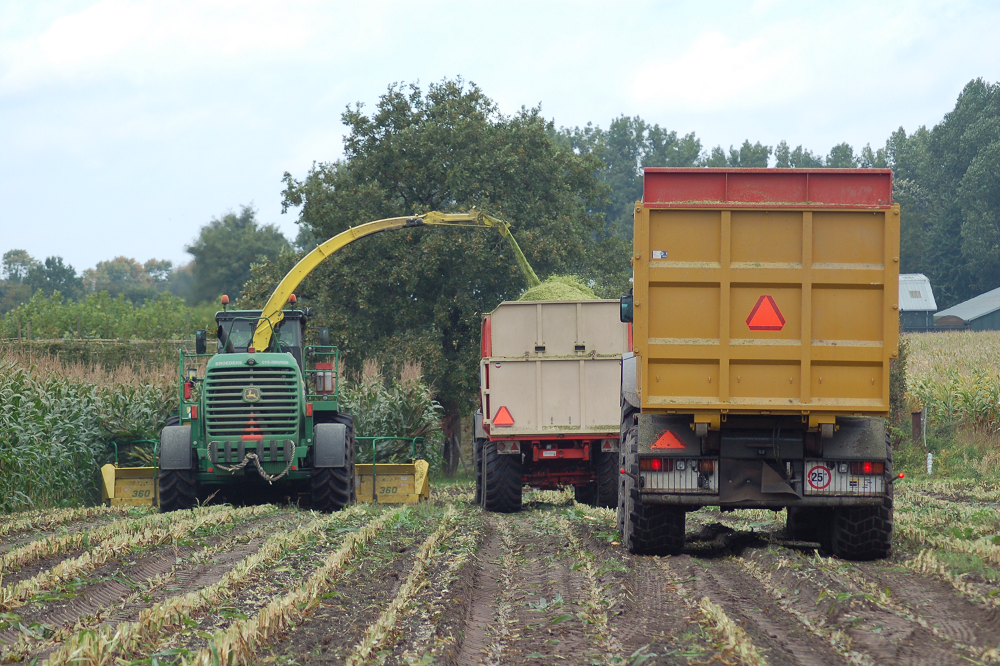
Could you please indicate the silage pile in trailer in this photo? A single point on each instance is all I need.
(560, 288)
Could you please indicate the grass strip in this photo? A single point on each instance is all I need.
(143, 636)
(126, 540)
(61, 543)
(237, 643)
(50, 518)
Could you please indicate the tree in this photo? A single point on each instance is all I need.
(795, 159)
(125, 276)
(16, 265)
(623, 149)
(420, 293)
(55, 275)
(224, 250)
(841, 157)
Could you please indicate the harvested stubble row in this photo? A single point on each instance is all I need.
(238, 643)
(154, 625)
(43, 519)
(29, 643)
(129, 536)
(414, 581)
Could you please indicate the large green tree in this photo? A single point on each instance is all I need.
(420, 293)
(946, 181)
(224, 250)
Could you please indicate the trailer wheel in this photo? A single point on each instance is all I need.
(648, 529)
(501, 480)
(607, 480)
(627, 423)
(865, 532)
(586, 494)
(333, 487)
(178, 489)
(806, 523)
(477, 458)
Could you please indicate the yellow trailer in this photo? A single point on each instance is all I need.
(764, 319)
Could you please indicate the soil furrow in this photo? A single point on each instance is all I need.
(481, 607)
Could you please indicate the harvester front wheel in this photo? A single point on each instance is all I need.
(178, 489)
(501, 480)
(647, 529)
(333, 487)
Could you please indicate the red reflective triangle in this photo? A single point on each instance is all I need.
(503, 417)
(668, 440)
(765, 316)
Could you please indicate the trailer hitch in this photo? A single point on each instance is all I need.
(639, 482)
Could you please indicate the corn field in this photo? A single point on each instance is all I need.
(956, 376)
(58, 422)
(444, 583)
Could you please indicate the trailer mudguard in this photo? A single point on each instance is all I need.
(175, 447)
(630, 388)
(856, 438)
(329, 445)
(480, 431)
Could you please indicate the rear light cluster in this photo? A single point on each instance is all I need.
(867, 467)
(671, 464)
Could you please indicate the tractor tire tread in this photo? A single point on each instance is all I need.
(501, 480)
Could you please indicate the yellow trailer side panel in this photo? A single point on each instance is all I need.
(792, 310)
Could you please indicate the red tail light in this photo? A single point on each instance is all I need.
(706, 466)
(309, 409)
(656, 464)
(194, 411)
(867, 468)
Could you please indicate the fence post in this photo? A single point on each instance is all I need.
(916, 426)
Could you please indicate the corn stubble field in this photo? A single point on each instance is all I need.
(443, 582)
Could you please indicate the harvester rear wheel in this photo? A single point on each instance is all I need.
(333, 487)
(178, 489)
(647, 529)
(865, 532)
(501, 480)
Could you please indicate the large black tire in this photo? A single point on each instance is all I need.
(501, 480)
(477, 459)
(646, 529)
(627, 423)
(865, 532)
(608, 473)
(586, 494)
(178, 489)
(333, 487)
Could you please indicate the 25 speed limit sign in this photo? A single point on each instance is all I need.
(819, 477)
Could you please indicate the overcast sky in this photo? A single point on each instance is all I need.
(126, 125)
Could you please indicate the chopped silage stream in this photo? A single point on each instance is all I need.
(444, 583)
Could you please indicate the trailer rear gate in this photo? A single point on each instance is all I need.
(766, 291)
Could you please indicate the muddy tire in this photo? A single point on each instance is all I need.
(627, 423)
(647, 529)
(805, 523)
(607, 480)
(333, 487)
(865, 532)
(586, 494)
(178, 489)
(477, 457)
(501, 480)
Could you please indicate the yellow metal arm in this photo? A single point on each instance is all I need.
(273, 309)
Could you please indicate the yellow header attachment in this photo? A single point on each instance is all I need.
(273, 309)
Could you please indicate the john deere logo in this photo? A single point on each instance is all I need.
(251, 394)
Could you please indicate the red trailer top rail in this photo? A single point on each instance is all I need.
(665, 187)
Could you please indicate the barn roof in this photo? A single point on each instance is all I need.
(915, 293)
(974, 308)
